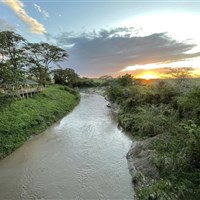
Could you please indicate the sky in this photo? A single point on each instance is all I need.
(102, 37)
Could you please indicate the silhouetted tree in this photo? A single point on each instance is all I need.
(180, 73)
(41, 55)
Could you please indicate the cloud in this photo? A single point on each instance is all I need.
(5, 26)
(44, 13)
(110, 51)
(18, 7)
(190, 60)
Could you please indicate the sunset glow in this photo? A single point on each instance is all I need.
(148, 76)
(142, 39)
(158, 70)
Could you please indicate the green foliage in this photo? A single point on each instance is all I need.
(158, 190)
(40, 56)
(178, 159)
(108, 82)
(88, 82)
(189, 105)
(114, 93)
(65, 77)
(5, 101)
(12, 56)
(19, 58)
(171, 112)
(125, 80)
(41, 74)
(12, 49)
(147, 121)
(30, 116)
(69, 89)
(165, 92)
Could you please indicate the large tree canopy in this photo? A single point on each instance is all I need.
(180, 73)
(65, 77)
(19, 58)
(12, 58)
(12, 49)
(40, 56)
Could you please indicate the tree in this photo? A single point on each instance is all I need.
(41, 55)
(12, 58)
(125, 80)
(180, 73)
(181, 76)
(65, 77)
(40, 74)
(12, 49)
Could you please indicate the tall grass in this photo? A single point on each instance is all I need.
(171, 112)
(23, 118)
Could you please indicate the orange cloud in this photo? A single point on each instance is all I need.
(18, 7)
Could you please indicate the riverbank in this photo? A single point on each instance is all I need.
(164, 120)
(82, 156)
(24, 118)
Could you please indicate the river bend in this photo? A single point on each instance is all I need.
(80, 157)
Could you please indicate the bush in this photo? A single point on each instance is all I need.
(189, 105)
(178, 160)
(157, 190)
(125, 80)
(148, 121)
(5, 101)
(171, 110)
(115, 94)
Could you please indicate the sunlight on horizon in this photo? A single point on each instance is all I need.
(159, 69)
(148, 76)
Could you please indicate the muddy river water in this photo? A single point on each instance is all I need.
(80, 157)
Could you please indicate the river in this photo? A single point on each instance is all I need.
(80, 157)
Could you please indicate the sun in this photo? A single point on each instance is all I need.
(148, 76)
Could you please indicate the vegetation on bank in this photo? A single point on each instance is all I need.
(22, 118)
(169, 112)
(21, 60)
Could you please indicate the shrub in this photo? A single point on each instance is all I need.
(115, 94)
(174, 111)
(189, 105)
(148, 121)
(125, 80)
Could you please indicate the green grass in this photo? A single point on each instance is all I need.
(169, 110)
(26, 117)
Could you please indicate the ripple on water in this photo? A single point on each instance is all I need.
(80, 157)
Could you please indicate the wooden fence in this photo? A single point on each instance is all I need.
(23, 92)
(29, 92)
